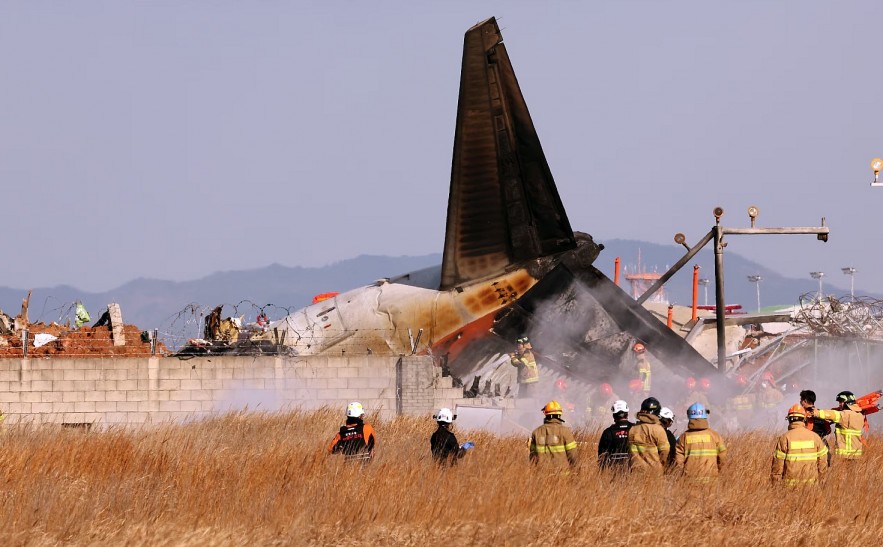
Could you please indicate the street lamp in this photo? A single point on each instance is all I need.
(819, 276)
(704, 283)
(756, 279)
(850, 271)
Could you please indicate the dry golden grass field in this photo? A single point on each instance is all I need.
(265, 479)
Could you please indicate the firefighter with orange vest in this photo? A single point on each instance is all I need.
(643, 365)
(849, 422)
(648, 443)
(553, 442)
(528, 372)
(355, 440)
(800, 458)
(700, 451)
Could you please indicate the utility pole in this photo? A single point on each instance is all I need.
(717, 234)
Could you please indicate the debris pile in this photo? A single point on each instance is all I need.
(108, 337)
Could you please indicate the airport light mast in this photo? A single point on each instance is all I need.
(756, 279)
(877, 166)
(850, 271)
(819, 276)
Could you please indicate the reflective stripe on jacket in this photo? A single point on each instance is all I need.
(553, 442)
(800, 458)
(700, 451)
(848, 433)
(528, 372)
(648, 445)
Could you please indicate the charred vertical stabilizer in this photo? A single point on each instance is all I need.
(503, 207)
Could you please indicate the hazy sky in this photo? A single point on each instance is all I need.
(174, 139)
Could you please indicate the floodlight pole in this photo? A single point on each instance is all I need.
(850, 271)
(756, 279)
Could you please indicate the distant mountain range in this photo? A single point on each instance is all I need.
(175, 308)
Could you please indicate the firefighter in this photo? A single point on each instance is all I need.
(598, 407)
(700, 451)
(800, 455)
(694, 393)
(528, 372)
(562, 394)
(848, 432)
(613, 448)
(443, 443)
(667, 418)
(822, 428)
(355, 440)
(643, 366)
(648, 443)
(553, 442)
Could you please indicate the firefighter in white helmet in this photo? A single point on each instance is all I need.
(667, 418)
(355, 440)
(443, 443)
(613, 447)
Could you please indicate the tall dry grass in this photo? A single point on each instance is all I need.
(252, 479)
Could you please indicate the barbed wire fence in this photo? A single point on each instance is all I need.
(847, 316)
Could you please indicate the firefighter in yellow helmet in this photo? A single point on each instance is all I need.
(850, 420)
(528, 372)
(553, 442)
(801, 457)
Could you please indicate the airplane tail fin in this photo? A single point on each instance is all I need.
(503, 205)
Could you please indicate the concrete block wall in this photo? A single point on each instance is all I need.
(156, 390)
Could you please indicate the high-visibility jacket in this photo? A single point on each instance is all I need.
(848, 432)
(700, 451)
(770, 397)
(648, 445)
(644, 373)
(528, 373)
(742, 403)
(553, 443)
(800, 458)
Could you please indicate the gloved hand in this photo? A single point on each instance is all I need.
(467, 445)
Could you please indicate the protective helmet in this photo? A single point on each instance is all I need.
(743, 380)
(796, 411)
(846, 397)
(768, 376)
(354, 410)
(445, 415)
(651, 405)
(561, 384)
(619, 406)
(522, 340)
(636, 384)
(705, 384)
(697, 410)
(553, 407)
(639, 348)
(691, 383)
(606, 389)
(666, 413)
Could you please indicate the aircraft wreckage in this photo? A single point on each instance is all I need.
(512, 265)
